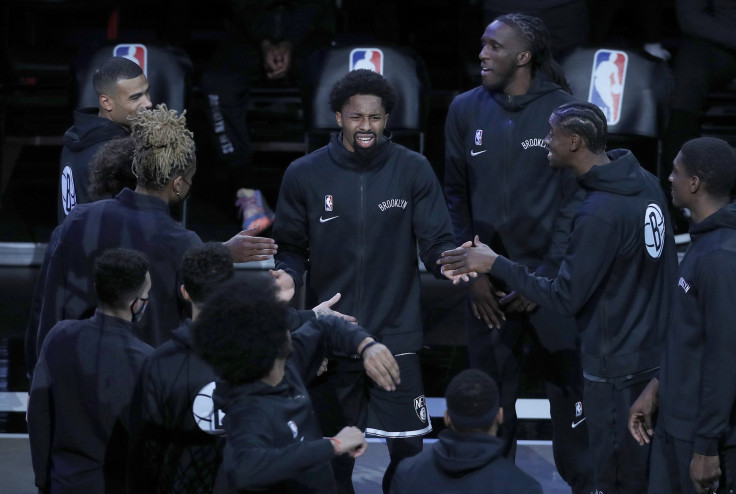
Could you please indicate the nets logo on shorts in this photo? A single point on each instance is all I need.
(367, 58)
(607, 83)
(420, 407)
(134, 52)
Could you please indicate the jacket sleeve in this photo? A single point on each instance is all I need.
(572, 196)
(716, 275)
(323, 337)
(291, 229)
(592, 251)
(296, 318)
(431, 219)
(456, 182)
(252, 463)
(54, 291)
(40, 424)
(696, 21)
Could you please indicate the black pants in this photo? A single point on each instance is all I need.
(555, 353)
(621, 466)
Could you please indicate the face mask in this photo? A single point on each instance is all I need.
(139, 314)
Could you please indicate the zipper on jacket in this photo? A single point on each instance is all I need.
(361, 248)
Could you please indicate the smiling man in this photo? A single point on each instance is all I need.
(616, 278)
(122, 89)
(353, 213)
(500, 187)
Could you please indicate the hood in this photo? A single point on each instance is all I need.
(89, 129)
(225, 393)
(183, 334)
(348, 159)
(723, 218)
(540, 86)
(622, 176)
(458, 453)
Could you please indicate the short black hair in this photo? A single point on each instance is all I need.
(111, 168)
(586, 120)
(242, 329)
(472, 400)
(111, 71)
(119, 275)
(362, 81)
(713, 160)
(205, 267)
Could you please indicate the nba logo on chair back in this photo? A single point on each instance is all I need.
(136, 53)
(607, 83)
(367, 58)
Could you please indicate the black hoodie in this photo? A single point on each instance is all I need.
(463, 462)
(88, 134)
(356, 226)
(616, 275)
(498, 183)
(697, 388)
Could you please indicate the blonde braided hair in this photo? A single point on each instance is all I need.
(164, 147)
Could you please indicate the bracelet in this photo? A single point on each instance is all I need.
(370, 344)
(335, 444)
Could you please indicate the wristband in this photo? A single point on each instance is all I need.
(367, 347)
(335, 444)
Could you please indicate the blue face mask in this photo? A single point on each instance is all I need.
(137, 315)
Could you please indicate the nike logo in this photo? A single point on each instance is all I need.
(325, 220)
(473, 153)
(575, 424)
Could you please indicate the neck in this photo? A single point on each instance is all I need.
(706, 206)
(163, 194)
(119, 312)
(519, 84)
(276, 374)
(588, 160)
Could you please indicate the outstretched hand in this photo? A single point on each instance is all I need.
(246, 248)
(349, 440)
(325, 309)
(468, 258)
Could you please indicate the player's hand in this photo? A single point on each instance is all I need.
(284, 284)
(246, 248)
(641, 412)
(380, 365)
(350, 441)
(468, 258)
(485, 304)
(276, 58)
(705, 472)
(465, 278)
(515, 302)
(325, 309)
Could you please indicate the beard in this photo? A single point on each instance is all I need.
(362, 154)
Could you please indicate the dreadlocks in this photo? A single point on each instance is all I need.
(539, 42)
(164, 147)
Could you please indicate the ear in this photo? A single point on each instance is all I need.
(523, 58)
(106, 102)
(176, 184)
(184, 293)
(575, 142)
(448, 423)
(695, 184)
(499, 416)
(338, 117)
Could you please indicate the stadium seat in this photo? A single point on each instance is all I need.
(401, 66)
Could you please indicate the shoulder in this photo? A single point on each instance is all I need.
(471, 99)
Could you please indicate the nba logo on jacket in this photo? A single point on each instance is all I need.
(608, 81)
(367, 58)
(136, 53)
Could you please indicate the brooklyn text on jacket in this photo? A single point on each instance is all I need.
(392, 203)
